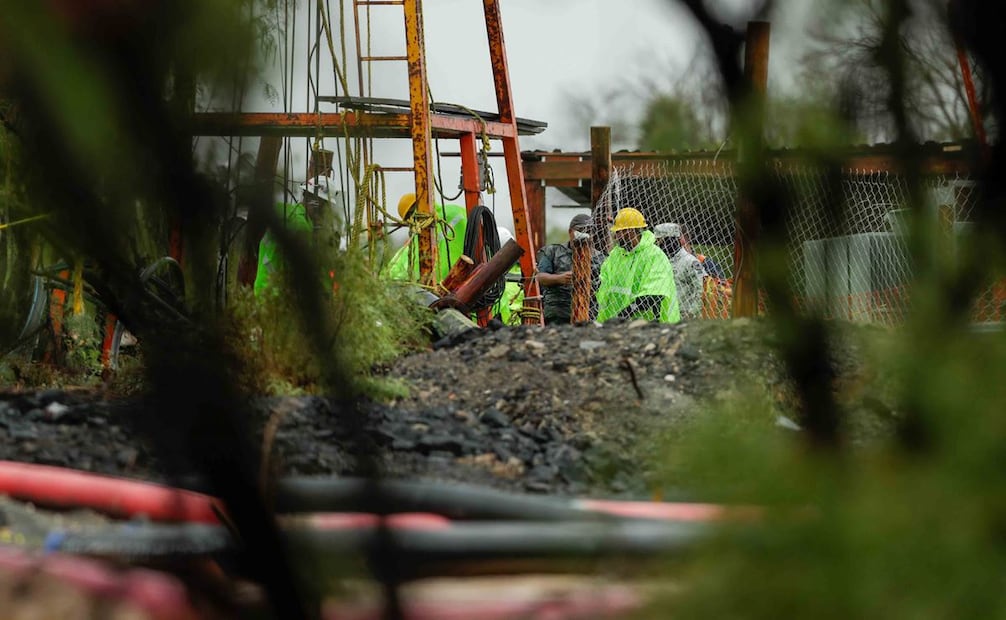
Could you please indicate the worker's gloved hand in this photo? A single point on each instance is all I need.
(641, 305)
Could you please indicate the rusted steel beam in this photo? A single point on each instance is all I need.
(473, 190)
(583, 286)
(756, 51)
(564, 173)
(448, 126)
(470, 171)
(535, 191)
(514, 168)
(356, 124)
(498, 60)
(972, 97)
(484, 276)
(420, 132)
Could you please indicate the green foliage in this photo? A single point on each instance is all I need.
(82, 340)
(556, 234)
(671, 123)
(373, 322)
(872, 532)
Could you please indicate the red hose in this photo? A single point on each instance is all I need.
(124, 498)
(151, 594)
(666, 511)
(119, 497)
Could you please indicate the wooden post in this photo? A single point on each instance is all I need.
(470, 171)
(460, 271)
(745, 288)
(600, 172)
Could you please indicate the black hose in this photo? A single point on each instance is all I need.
(428, 552)
(142, 540)
(455, 501)
(481, 218)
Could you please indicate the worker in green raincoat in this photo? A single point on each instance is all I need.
(509, 307)
(270, 261)
(637, 281)
(450, 241)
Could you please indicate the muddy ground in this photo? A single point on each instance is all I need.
(562, 410)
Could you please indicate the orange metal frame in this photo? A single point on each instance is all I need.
(421, 125)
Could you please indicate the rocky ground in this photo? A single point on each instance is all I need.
(563, 410)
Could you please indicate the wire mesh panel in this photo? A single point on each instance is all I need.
(848, 236)
(687, 209)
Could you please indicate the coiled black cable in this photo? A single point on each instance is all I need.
(481, 219)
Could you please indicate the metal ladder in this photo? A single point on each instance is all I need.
(421, 133)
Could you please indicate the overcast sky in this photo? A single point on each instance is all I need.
(557, 50)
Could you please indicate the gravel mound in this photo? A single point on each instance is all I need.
(562, 410)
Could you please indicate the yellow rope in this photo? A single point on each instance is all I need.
(26, 220)
(78, 288)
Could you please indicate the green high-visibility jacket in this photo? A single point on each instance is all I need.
(629, 274)
(448, 250)
(509, 306)
(270, 262)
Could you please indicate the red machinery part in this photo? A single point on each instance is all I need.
(58, 487)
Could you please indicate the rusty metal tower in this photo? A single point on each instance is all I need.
(417, 120)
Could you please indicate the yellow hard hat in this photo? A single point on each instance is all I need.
(628, 218)
(405, 203)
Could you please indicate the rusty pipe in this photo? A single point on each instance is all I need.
(481, 279)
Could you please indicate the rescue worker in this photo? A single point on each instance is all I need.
(637, 281)
(689, 274)
(321, 204)
(508, 308)
(270, 261)
(450, 241)
(555, 273)
(712, 269)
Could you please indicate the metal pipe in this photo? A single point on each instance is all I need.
(482, 278)
(460, 271)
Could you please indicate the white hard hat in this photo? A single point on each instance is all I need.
(667, 230)
(320, 186)
(504, 235)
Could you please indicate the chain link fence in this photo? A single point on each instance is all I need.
(848, 251)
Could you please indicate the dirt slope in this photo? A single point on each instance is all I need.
(570, 410)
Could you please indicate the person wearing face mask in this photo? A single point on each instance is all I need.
(637, 281)
(689, 274)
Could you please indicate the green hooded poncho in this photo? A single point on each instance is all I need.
(629, 274)
(270, 262)
(448, 251)
(511, 304)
